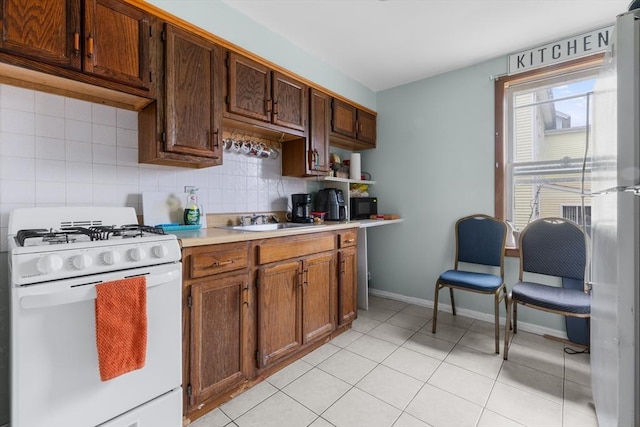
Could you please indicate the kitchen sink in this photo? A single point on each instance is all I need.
(269, 227)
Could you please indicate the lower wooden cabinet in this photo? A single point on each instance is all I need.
(294, 305)
(279, 332)
(219, 320)
(347, 276)
(251, 308)
(347, 285)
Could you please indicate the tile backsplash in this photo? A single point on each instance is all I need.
(62, 151)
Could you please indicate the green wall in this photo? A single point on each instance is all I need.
(434, 164)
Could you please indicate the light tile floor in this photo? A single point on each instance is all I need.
(390, 370)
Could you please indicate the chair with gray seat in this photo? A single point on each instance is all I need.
(550, 247)
(480, 239)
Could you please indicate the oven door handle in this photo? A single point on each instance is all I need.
(70, 295)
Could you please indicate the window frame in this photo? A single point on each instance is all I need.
(500, 107)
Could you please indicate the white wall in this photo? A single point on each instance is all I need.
(61, 151)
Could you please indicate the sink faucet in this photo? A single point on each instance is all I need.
(262, 218)
(253, 219)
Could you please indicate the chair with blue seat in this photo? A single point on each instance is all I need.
(480, 239)
(551, 247)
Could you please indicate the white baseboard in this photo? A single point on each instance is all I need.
(522, 326)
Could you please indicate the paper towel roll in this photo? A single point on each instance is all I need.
(354, 166)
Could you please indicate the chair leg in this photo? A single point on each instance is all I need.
(435, 309)
(515, 316)
(507, 327)
(496, 306)
(506, 306)
(453, 304)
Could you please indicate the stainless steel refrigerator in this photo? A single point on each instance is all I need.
(615, 189)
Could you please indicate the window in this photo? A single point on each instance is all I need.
(543, 135)
(574, 213)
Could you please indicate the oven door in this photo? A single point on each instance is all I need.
(55, 379)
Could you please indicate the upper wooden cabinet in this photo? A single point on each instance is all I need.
(109, 39)
(48, 31)
(310, 156)
(116, 42)
(351, 127)
(183, 127)
(257, 95)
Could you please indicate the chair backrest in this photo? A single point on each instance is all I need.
(553, 247)
(480, 239)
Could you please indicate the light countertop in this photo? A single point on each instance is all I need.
(213, 236)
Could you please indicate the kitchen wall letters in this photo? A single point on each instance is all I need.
(561, 51)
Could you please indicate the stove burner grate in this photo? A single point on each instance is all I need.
(70, 234)
(125, 231)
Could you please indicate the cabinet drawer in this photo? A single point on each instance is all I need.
(282, 248)
(216, 259)
(347, 238)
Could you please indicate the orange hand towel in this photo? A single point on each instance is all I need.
(121, 326)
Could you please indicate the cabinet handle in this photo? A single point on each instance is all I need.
(216, 137)
(342, 270)
(76, 43)
(306, 278)
(300, 279)
(358, 127)
(269, 105)
(90, 46)
(246, 295)
(349, 241)
(222, 263)
(275, 108)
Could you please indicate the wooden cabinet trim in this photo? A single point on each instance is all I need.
(282, 248)
(204, 261)
(347, 238)
(164, 15)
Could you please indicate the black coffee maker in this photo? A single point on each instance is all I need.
(301, 211)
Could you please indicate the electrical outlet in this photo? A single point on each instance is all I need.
(188, 188)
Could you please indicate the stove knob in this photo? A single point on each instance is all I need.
(49, 264)
(82, 261)
(137, 254)
(111, 257)
(160, 251)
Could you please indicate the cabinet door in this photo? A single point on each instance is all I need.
(289, 102)
(316, 297)
(318, 156)
(116, 42)
(249, 88)
(48, 31)
(218, 323)
(347, 285)
(193, 95)
(366, 128)
(343, 118)
(279, 331)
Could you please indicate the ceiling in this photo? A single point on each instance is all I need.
(383, 44)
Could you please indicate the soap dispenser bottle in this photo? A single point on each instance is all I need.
(192, 211)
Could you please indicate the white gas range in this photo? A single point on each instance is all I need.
(57, 257)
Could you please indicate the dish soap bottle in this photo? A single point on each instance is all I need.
(192, 212)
